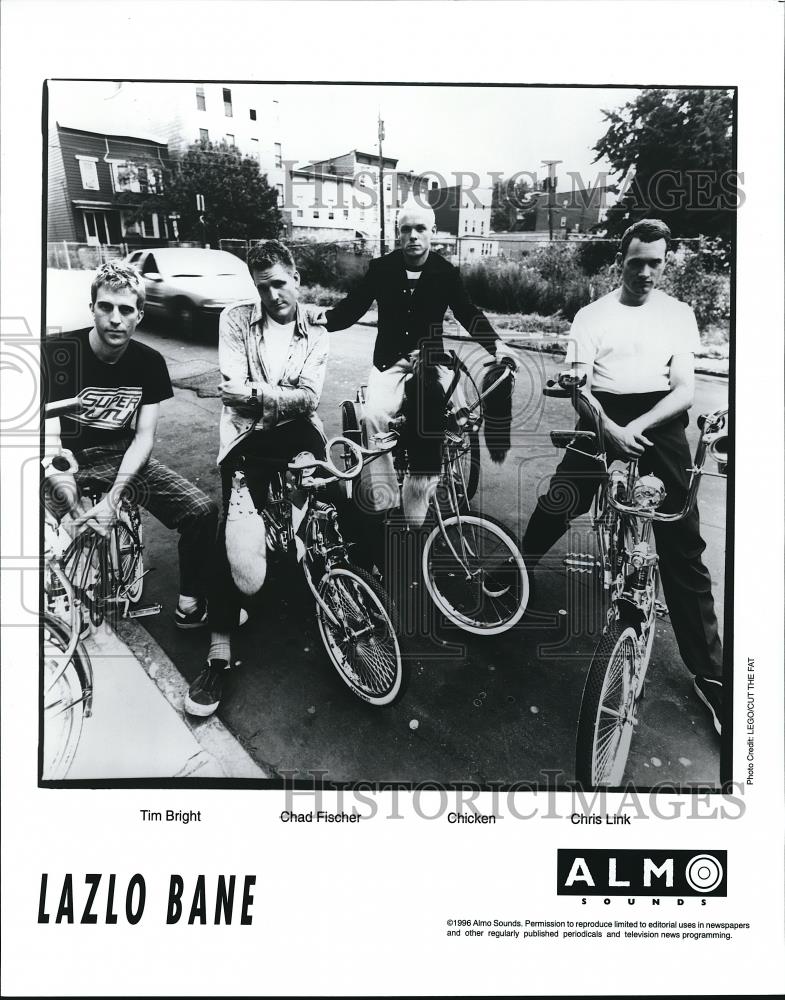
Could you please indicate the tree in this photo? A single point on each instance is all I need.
(238, 201)
(680, 143)
(510, 205)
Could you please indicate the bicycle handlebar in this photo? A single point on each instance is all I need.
(306, 461)
(63, 406)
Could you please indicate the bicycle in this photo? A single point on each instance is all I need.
(357, 622)
(85, 578)
(625, 510)
(472, 568)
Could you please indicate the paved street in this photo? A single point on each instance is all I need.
(489, 709)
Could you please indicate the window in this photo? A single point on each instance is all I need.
(278, 155)
(279, 188)
(200, 102)
(563, 222)
(346, 213)
(138, 178)
(150, 266)
(146, 227)
(255, 148)
(331, 214)
(204, 135)
(229, 139)
(252, 113)
(89, 172)
(227, 102)
(482, 228)
(299, 213)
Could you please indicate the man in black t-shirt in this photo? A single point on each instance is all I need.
(121, 383)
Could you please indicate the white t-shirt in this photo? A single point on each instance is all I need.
(277, 341)
(630, 347)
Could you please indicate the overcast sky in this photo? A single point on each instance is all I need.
(428, 129)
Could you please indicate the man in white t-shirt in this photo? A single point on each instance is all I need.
(636, 347)
(272, 360)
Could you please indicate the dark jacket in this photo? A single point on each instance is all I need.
(404, 320)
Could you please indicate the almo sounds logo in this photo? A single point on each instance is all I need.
(642, 873)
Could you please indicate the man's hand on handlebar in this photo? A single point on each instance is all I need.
(508, 355)
(629, 442)
(99, 518)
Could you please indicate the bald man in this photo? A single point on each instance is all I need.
(413, 287)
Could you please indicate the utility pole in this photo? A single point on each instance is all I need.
(382, 247)
(550, 186)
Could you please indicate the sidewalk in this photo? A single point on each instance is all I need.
(138, 728)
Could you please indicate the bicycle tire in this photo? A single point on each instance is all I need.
(602, 746)
(128, 555)
(98, 598)
(66, 699)
(495, 599)
(373, 667)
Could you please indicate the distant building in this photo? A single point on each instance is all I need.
(338, 198)
(245, 115)
(462, 212)
(95, 179)
(571, 211)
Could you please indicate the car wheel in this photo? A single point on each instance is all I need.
(184, 316)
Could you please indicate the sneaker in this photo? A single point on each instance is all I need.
(710, 693)
(191, 619)
(198, 618)
(204, 694)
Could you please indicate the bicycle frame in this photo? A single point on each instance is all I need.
(284, 532)
(54, 565)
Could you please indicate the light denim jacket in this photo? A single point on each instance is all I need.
(242, 361)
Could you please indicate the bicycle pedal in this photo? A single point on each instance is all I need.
(148, 609)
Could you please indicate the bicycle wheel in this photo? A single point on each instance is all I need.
(363, 646)
(67, 692)
(128, 555)
(475, 574)
(607, 716)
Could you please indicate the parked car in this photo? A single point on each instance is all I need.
(190, 286)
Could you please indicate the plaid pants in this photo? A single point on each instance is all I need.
(170, 498)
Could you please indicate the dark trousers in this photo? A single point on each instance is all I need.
(686, 582)
(170, 498)
(261, 455)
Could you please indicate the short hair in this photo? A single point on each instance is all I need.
(647, 230)
(413, 207)
(117, 275)
(263, 256)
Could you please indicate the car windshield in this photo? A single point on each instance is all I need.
(203, 264)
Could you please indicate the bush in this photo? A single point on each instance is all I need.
(330, 265)
(708, 292)
(550, 283)
(320, 296)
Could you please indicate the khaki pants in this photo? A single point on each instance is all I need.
(378, 488)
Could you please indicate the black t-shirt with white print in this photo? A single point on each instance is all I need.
(111, 394)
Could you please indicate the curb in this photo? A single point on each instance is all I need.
(222, 755)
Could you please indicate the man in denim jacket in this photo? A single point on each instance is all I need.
(272, 361)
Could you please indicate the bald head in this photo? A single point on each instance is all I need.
(416, 226)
